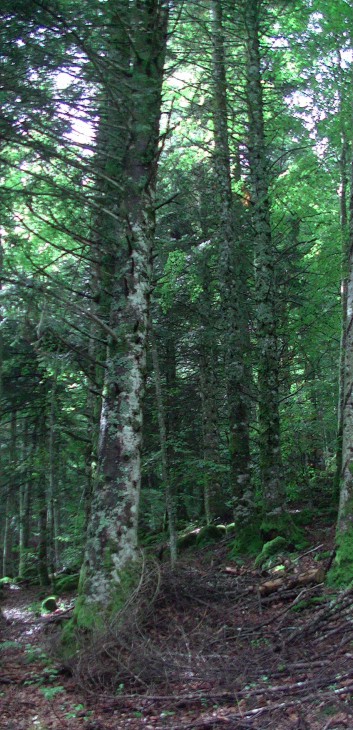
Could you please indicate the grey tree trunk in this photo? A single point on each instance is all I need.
(342, 571)
(25, 507)
(265, 272)
(233, 287)
(43, 527)
(52, 476)
(7, 557)
(344, 268)
(136, 55)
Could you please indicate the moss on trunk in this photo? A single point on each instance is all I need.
(341, 572)
(92, 619)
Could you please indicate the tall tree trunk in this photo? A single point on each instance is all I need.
(138, 36)
(214, 501)
(342, 571)
(7, 558)
(265, 272)
(233, 287)
(52, 477)
(25, 506)
(344, 267)
(164, 452)
(40, 447)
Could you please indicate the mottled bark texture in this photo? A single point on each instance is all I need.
(233, 286)
(342, 571)
(265, 271)
(130, 123)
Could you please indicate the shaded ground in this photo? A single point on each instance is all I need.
(217, 650)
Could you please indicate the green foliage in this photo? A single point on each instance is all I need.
(4, 645)
(248, 541)
(283, 525)
(67, 583)
(50, 692)
(54, 319)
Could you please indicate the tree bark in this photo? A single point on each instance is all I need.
(233, 287)
(7, 557)
(265, 272)
(342, 571)
(25, 507)
(344, 267)
(136, 56)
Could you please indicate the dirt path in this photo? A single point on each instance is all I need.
(214, 654)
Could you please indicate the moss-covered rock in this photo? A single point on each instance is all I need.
(49, 604)
(273, 547)
(210, 534)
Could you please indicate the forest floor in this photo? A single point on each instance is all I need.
(224, 646)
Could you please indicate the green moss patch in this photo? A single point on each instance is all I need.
(248, 541)
(309, 603)
(283, 525)
(210, 534)
(273, 547)
(49, 604)
(341, 573)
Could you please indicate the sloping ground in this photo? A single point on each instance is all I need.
(216, 650)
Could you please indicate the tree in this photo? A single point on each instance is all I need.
(137, 44)
(233, 287)
(265, 270)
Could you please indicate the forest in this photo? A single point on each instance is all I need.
(176, 340)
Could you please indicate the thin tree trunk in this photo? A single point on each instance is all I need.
(164, 452)
(25, 507)
(7, 560)
(52, 537)
(43, 527)
(344, 267)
